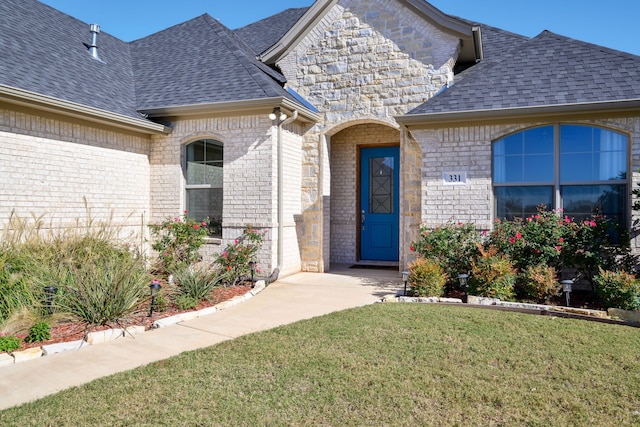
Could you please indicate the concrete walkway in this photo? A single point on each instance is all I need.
(297, 297)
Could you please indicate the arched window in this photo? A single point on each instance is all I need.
(579, 169)
(204, 172)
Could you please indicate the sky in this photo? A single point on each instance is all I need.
(611, 24)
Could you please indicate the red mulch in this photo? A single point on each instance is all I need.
(72, 331)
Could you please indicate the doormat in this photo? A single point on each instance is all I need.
(375, 267)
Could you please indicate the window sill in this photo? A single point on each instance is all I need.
(212, 241)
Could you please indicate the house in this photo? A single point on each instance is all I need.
(338, 128)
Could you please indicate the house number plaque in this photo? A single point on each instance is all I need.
(454, 178)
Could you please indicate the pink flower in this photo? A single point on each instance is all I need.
(176, 219)
(228, 267)
(592, 223)
(186, 211)
(512, 240)
(412, 248)
(236, 241)
(204, 223)
(558, 248)
(529, 219)
(196, 226)
(561, 239)
(518, 236)
(566, 219)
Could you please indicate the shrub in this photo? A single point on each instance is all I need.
(426, 278)
(196, 282)
(186, 302)
(234, 260)
(39, 332)
(540, 283)
(104, 290)
(15, 292)
(452, 245)
(618, 289)
(160, 303)
(9, 343)
(178, 242)
(492, 275)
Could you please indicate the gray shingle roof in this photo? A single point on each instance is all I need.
(196, 62)
(263, 34)
(546, 70)
(42, 51)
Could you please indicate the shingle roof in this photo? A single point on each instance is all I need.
(546, 70)
(199, 61)
(42, 51)
(263, 34)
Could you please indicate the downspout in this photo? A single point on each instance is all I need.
(280, 124)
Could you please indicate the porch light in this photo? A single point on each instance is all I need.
(567, 286)
(252, 266)
(405, 279)
(49, 294)
(278, 115)
(154, 287)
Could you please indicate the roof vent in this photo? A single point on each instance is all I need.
(94, 29)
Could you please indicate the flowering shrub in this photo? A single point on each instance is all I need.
(178, 241)
(235, 258)
(453, 245)
(426, 278)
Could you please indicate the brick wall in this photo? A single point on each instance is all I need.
(50, 167)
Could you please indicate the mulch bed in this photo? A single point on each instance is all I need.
(72, 331)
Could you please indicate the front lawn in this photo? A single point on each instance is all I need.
(385, 364)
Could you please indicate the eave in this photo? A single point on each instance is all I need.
(233, 108)
(49, 104)
(545, 112)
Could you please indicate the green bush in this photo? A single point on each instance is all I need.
(186, 302)
(539, 283)
(234, 260)
(196, 282)
(39, 332)
(178, 242)
(104, 290)
(618, 289)
(453, 245)
(492, 275)
(426, 278)
(9, 343)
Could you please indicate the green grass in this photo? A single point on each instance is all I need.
(386, 364)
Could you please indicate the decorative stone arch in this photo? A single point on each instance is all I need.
(345, 141)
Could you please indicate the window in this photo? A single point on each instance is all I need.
(579, 169)
(205, 182)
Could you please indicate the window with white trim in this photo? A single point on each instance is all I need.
(204, 177)
(577, 168)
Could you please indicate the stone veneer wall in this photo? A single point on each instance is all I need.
(365, 61)
(469, 149)
(250, 180)
(50, 166)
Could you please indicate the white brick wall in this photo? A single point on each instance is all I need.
(50, 167)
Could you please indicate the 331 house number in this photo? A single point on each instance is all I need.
(454, 178)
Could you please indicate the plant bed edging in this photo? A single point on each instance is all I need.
(97, 337)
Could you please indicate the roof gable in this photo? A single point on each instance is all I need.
(547, 71)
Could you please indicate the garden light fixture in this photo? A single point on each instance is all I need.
(49, 294)
(462, 278)
(252, 266)
(567, 288)
(154, 287)
(405, 279)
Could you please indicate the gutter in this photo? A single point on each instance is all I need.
(50, 104)
(443, 119)
(278, 269)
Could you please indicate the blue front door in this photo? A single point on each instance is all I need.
(379, 203)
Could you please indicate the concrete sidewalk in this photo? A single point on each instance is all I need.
(297, 297)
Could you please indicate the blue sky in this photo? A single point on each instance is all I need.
(612, 24)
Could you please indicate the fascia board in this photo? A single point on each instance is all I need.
(300, 29)
(41, 102)
(232, 108)
(436, 16)
(450, 119)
